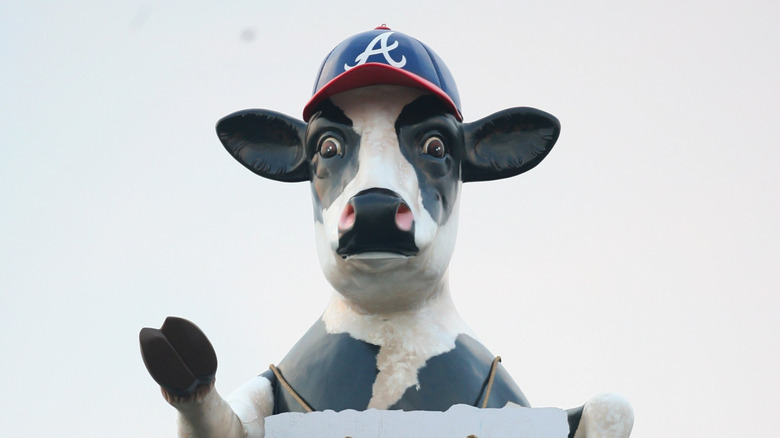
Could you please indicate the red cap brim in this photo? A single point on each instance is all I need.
(375, 74)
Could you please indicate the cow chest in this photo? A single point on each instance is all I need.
(337, 372)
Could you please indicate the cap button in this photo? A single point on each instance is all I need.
(382, 27)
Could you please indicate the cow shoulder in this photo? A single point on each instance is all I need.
(329, 371)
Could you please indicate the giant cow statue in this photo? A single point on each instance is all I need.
(385, 149)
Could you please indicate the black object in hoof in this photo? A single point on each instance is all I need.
(178, 356)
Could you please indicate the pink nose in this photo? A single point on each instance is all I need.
(347, 219)
(404, 217)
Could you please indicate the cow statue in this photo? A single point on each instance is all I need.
(385, 149)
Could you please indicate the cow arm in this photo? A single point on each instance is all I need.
(252, 402)
(606, 416)
(205, 415)
(182, 360)
(208, 415)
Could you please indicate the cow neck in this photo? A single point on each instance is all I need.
(434, 318)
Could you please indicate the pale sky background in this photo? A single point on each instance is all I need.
(640, 257)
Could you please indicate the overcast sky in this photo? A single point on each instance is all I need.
(640, 257)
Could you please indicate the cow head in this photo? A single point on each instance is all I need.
(385, 151)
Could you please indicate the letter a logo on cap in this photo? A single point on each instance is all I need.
(383, 49)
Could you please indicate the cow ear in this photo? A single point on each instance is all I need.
(507, 143)
(268, 143)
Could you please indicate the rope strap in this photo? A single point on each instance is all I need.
(491, 378)
(289, 388)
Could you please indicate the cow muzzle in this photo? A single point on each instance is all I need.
(376, 222)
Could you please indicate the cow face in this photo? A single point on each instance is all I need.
(385, 191)
(385, 165)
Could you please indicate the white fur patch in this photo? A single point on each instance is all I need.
(406, 339)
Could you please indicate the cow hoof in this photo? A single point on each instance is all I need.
(178, 356)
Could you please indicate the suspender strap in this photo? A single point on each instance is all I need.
(289, 388)
(491, 378)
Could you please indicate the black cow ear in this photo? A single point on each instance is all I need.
(268, 143)
(507, 143)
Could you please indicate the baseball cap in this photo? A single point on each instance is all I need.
(383, 57)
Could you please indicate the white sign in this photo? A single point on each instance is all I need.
(460, 421)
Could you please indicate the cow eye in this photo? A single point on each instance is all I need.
(434, 147)
(330, 147)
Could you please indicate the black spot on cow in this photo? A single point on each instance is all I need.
(331, 175)
(438, 177)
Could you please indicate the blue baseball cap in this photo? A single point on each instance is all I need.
(383, 57)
